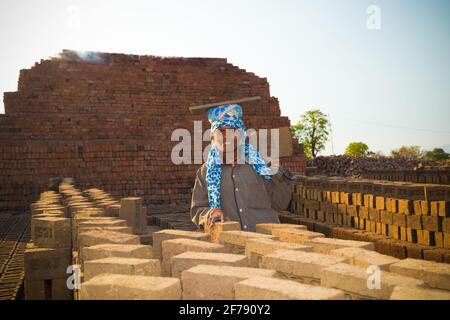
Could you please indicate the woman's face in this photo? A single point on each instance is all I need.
(226, 139)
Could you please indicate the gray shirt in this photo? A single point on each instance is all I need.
(245, 196)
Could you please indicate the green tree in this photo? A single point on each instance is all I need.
(357, 149)
(437, 154)
(312, 131)
(411, 152)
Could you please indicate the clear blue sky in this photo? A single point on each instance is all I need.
(386, 87)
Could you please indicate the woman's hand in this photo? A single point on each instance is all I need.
(216, 215)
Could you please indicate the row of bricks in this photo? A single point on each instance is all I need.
(388, 189)
(425, 230)
(384, 244)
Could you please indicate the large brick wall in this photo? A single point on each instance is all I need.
(106, 120)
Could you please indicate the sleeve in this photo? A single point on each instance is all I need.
(200, 209)
(279, 189)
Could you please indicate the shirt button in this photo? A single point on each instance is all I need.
(237, 189)
(234, 176)
(240, 210)
(245, 227)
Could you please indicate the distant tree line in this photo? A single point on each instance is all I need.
(313, 131)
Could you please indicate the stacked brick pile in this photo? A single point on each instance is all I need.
(436, 175)
(278, 261)
(107, 119)
(63, 223)
(403, 219)
(356, 166)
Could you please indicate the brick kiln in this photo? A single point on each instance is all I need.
(106, 120)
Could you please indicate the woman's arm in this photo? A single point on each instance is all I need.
(200, 209)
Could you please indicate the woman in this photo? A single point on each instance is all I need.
(241, 188)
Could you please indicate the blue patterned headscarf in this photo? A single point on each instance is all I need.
(229, 115)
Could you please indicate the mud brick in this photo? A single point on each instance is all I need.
(280, 289)
(378, 227)
(425, 237)
(49, 289)
(373, 227)
(256, 248)
(216, 229)
(446, 225)
(384, 229)
(329, 217)
(118, 265)
(414, 251)
(320, 215)
(191, 259)
(380, 203)
(403, 234)
(173, 247)
(131, 211)
(94, 237)
(418, 293)
(383, 246)
(369, 200)
(439, 239)
(295, 235)
(267, 228)
(414, 222)
(398, 250)
(210, 282)
(345, 198)
(425, 205)
(446, 240)
(337, 218)
(160, 236)
(101, 251)
(357, 199)
(325, 245)
(364, 258)
(235, 241)
(312, 204)
(335, 197)
(399, 219)
(52, 232)
(434, 274)
(46, 263)
(444, 208)
(130, 287)
(352, 210)
(405, 206)
(342, 208)
(311, 214)
(363, 212)
(431, 223)
(386, 217)
(354, 280)
(374, 214)
(368, 226)
(302, 266)
(347, 221)
(411, 235)
(417, 207)
(436, 255)
(434, 208)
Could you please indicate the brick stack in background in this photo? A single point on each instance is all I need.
(107, 120)
(436, 175)
(402, 219)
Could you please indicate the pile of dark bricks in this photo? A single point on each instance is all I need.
(107, 119)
